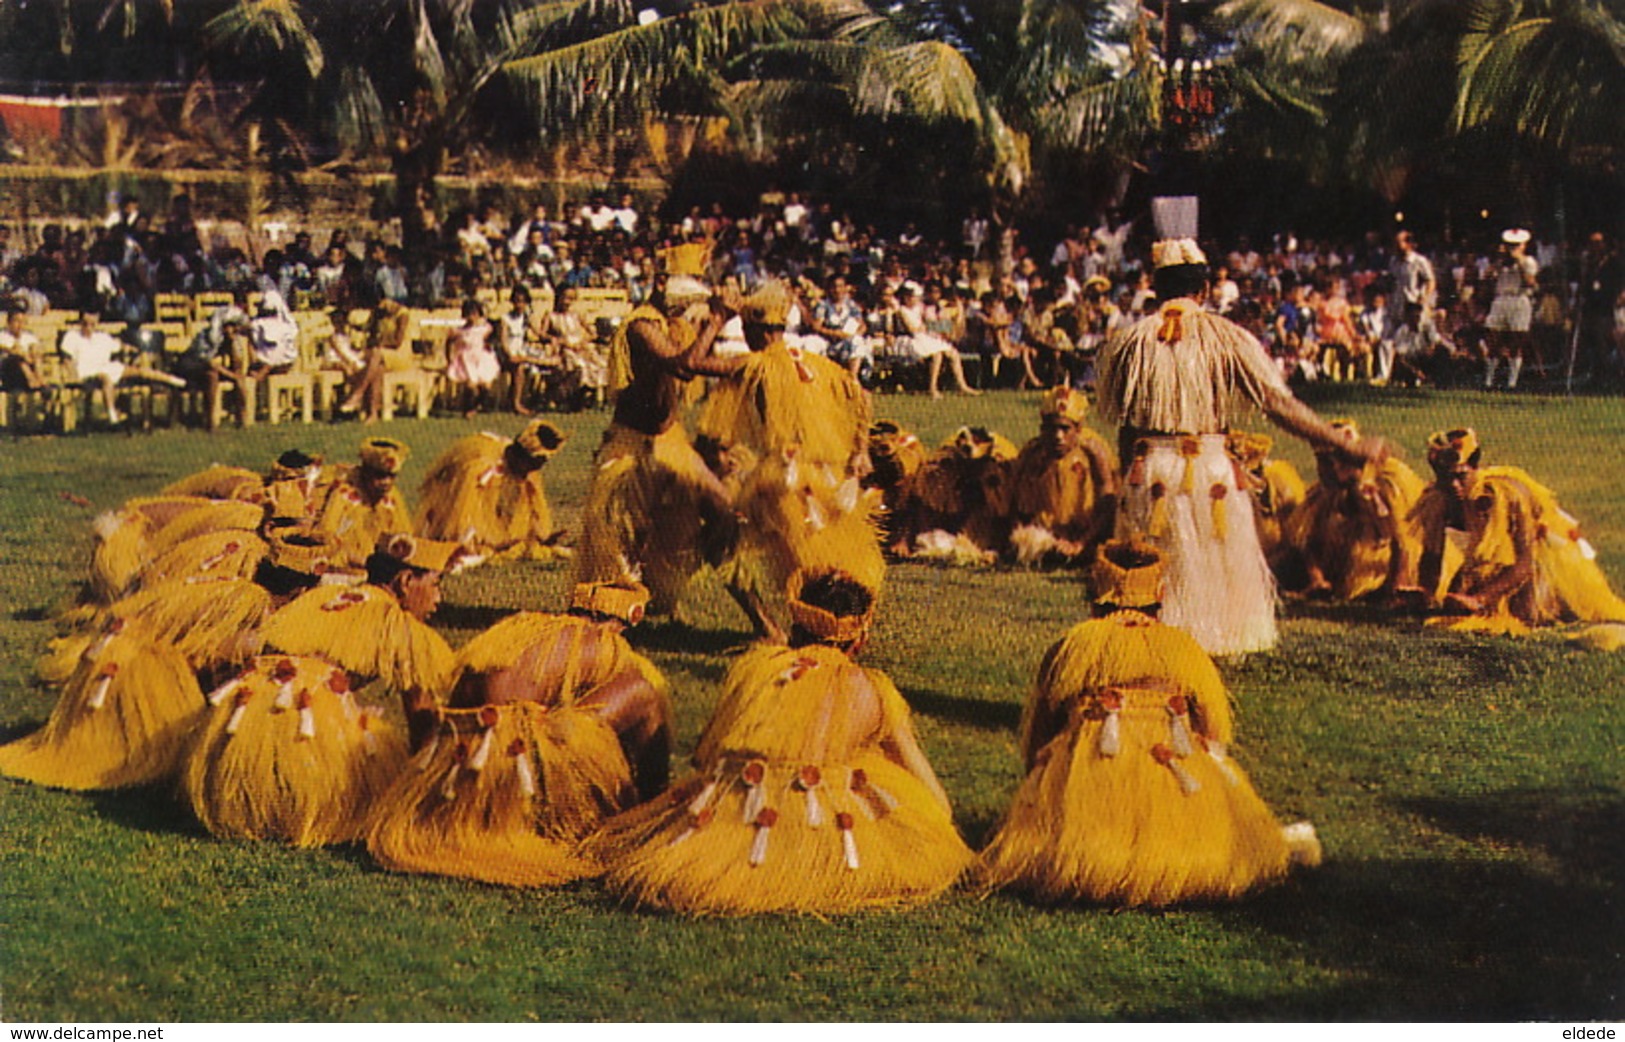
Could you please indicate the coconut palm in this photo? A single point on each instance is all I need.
(1551, 70)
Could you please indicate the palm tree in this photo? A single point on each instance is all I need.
(779, 70)
(1550, 70)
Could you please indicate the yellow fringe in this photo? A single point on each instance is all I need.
(1099, 817)
(212, 623)
(468, 497)
(256, 772)
(643, 510)
(1567, 585)
(1057, 494)
(229, 554)
(123, 719)
(207, 517)
(1345, 535)
(218, 481)
(123, 548)
(799, 516)
(555, 682)
(620, 352)
(702, 850)
(364, 630)
(1278, 490)
(768, 407)
(505, 803)
(354, 526)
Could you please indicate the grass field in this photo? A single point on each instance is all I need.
(1468, 791)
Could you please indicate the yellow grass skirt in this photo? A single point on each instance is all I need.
(503, 794)
(756, 836)
(123, 718)
(288, 753)
(644, 511)
(1140, 817)
(468, 496)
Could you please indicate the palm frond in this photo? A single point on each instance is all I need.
(1553, 72)
(278, 25)
(1113, 116)
(1302, 31)
(359, 119)
(629, 66)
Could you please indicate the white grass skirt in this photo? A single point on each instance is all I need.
(1182, 496)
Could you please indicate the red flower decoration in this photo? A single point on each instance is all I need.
(1162, 754)
(754, 772)
(767, 818)
(843, 821)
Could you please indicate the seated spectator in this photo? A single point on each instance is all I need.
(273, 339)
(580, 367)
(385, 351)
(19, 355)
(391, 277)
(219, 353)
(1420, 351)
(521, 345)
(92, 354)
(998, 344)
(910, 342)
(839, 319)
(472, 367)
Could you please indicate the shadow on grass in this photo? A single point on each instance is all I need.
(22, 729)
(1484, 937)
(982, 713)
(679, 638)
(150, 808)
(475, 617)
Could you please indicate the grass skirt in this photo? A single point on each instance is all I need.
(867, 835)
(797, 516)
(644, 511)
(123, 718)
(503, 794)
(288, 753)
(796, 806)
(1128, 829)
(469, 497)
(1182, 496)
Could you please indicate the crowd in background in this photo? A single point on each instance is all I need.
(1383, 309)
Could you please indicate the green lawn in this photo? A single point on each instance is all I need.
(1468, 791)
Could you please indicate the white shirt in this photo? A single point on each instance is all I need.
(1413, 273)
(92, 355)
(275, 340)
(24, 343)
(1517, 277)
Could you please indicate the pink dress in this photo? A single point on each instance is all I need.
(471, 358)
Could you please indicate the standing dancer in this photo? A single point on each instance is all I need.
(1175, 381)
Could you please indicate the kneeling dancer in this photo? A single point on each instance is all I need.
(553, 724)
(810, 794)
(1130, 796)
